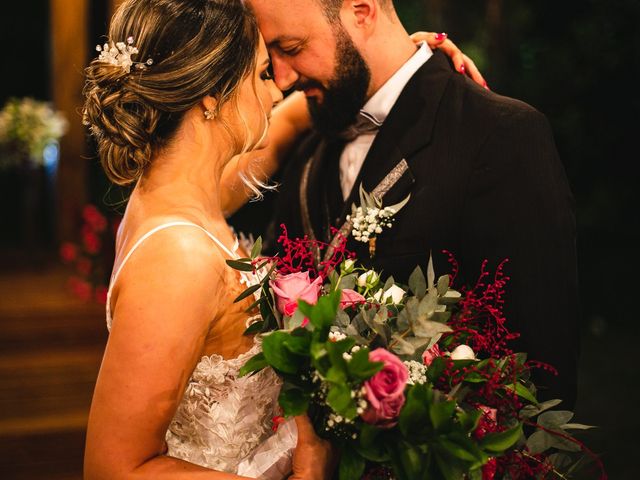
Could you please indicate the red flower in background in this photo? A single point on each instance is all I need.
(83, 266)
(100, 294)
(68, 252)
(91, 241)
(94, 218)
(81, 288)
(92, 256)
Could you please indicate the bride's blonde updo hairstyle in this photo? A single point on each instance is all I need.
(196, 47)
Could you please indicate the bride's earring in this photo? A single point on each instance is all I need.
(209, 114)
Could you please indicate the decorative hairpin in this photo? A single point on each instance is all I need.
(119, 54)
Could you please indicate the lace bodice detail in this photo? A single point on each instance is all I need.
(222, 417)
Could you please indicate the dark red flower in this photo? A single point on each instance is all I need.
(94, 218)
(101, 294)
(80, 288)
(68, 252)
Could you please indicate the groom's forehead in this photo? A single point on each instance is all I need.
(290, 18)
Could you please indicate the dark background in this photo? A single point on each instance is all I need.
(577, 62)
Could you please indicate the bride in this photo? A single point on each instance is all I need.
(181, 90)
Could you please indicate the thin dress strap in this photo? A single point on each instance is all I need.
(114, 276)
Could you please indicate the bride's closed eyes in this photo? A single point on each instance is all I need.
(267, 73)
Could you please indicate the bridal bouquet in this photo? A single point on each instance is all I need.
(409, 382)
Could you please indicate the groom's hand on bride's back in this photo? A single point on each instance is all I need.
(313, 458)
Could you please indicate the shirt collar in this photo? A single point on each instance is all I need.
(379, 105)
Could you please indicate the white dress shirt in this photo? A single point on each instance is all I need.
(377, 108)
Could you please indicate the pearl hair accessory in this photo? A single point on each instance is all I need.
(120, 54)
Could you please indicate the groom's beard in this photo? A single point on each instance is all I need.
(346, 93)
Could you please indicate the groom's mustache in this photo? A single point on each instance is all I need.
(307, 84)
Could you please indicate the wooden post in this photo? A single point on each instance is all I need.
(69, 55)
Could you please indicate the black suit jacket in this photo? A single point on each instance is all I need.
(486, 183)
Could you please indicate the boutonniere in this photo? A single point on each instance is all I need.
(371, 218)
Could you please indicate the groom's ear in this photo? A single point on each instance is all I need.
(363, 12)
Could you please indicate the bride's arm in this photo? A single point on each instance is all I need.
(289, 120)
(165, 299)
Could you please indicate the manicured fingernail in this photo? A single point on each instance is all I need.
(486, 86)
(462, 69)
(441, 36)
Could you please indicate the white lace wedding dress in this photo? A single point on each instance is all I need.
(224, 422)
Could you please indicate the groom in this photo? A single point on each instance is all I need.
(482, 170)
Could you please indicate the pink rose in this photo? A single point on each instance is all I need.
(431, 354)
(489, 413)
(351, 297)
(385, 390)
(293, 287)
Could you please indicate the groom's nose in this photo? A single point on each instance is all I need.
(285, 75)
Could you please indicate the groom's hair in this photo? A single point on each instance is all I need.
(331, 8)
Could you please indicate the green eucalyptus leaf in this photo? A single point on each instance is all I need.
(277, 354)
(451, 297)
(553, 419)
(429, 329)
(441, 415)
(360, 368)
(522, 392)
(348, 282)
(336, 375)
(351, 465)
(418, 283)
(501, 441)
(255, 304)
(298, 342)
(469, 419)
(431, 274)
(565, 444)
(398, 206)
(342, 319)
(239, 265)
(294, 321)
(443, 284)
(539, 442)
(448, 470)
(254, 364)
(533, 410)
(415, 412)
(293, 401)
(257, 248)
(249, 291)
(400, 346)
(577, 426)
(254, 328)
(339, 398)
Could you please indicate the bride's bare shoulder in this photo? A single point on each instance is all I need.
(177, 271)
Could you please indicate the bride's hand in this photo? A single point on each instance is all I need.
(313, 458)
(462, 63)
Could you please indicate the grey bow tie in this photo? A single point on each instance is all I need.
(365, 123)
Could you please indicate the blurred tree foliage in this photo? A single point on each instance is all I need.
(577, 61)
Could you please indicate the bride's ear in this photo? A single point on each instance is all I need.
(209, 107)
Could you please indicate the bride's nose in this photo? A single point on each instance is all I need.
(276, 93)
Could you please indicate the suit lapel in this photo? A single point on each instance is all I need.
(320, 189)
(406, 131)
